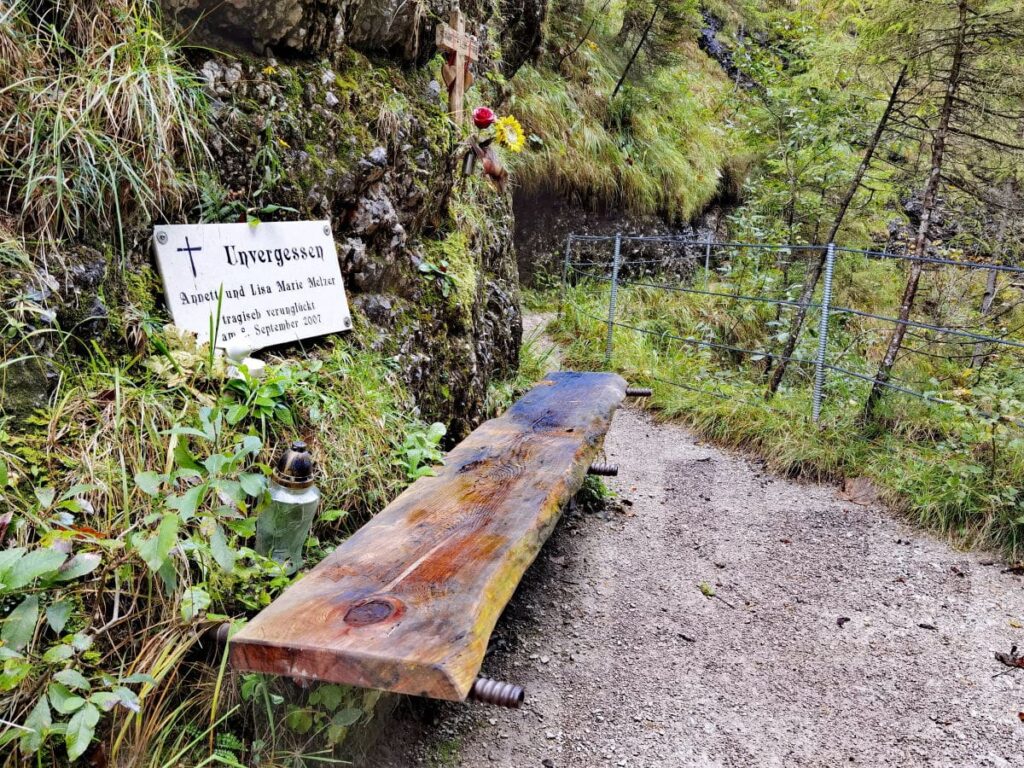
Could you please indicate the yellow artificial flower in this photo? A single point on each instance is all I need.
(510, 133)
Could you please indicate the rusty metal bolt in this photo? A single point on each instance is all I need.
(218, 633)
(603, 470)
(499, 694)
(639, 392)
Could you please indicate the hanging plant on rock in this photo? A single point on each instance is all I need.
(493, 131)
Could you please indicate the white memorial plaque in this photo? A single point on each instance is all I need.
(281, 281)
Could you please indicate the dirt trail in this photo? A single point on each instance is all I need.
(837, 635)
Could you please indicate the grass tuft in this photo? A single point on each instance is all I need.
(100, 119)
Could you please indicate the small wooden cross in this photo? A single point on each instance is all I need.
(463, 49)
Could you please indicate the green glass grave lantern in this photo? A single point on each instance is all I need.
(283, 526)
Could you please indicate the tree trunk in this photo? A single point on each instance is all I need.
(636, 51)
(986, 307)
(586, 36)
(928, 200)
(814, 273)
(990, 284)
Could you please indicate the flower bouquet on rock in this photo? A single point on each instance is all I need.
(494, 131)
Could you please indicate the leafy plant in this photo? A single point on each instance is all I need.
(142, 514)
(325, 714)
(267, 164)
(266, 398)
(421, 451)
(253, 213)
(441, 273)
(594, 495)
(211, 496)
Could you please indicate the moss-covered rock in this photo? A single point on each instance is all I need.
(307, 26)
(365, 143)
(426, 255)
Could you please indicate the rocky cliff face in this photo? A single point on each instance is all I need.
(310, 27)
(544, 220)
(401, 29)
(427, 255)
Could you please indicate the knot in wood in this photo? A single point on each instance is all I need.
(370, 612)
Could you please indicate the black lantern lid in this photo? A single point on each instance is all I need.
(295, 468)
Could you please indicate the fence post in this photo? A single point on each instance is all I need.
(612, 299)
(826, 306)
(565, 273)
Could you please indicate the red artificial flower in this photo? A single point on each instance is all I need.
(484, 117)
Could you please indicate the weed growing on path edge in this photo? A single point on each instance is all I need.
(594, 495)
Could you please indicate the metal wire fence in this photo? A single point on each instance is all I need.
(694, 265)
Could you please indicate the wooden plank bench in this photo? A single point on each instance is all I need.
(408, 603)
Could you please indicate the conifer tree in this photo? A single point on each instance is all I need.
(965, 59)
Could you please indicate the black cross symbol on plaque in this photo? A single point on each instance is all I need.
(190, 249)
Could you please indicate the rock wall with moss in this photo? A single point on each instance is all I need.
(310, 111)
(426, 255)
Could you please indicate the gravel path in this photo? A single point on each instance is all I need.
(836, 635)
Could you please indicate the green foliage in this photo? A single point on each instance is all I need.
(355, 410)
(824, 79)
(956, 466)
(594, 495)
(265, 398)
(140, 520)
(132, 495)
(445, 754)
(216, 204)
(322, 714)
(421, 451)
(450, 261)
(439, 272)
(808, 124)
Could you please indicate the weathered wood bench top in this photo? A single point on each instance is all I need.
(408, 603)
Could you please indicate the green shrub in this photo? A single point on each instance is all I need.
(132, 509)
